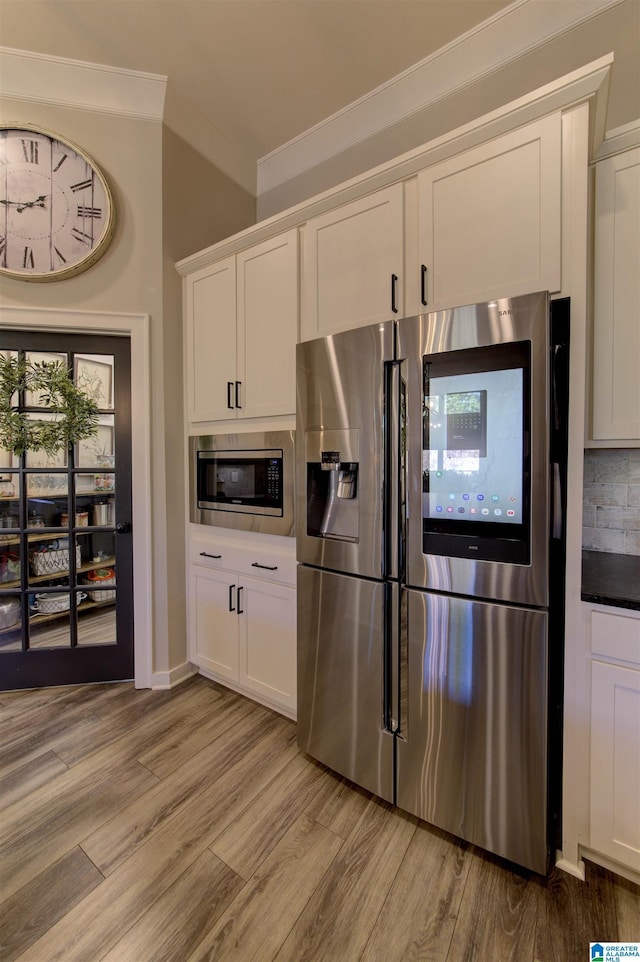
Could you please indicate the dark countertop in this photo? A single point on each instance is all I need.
(611, 579)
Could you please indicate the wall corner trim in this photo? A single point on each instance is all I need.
(85, 86)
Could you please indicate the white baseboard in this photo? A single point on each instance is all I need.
(571, 868)
(624, 871)
(169, 679)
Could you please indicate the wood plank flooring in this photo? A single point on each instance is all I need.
(183, 826)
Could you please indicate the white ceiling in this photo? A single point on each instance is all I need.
(260, 71)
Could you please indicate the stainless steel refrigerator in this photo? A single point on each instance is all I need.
(430, 473)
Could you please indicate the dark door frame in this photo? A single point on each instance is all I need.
(137, 328)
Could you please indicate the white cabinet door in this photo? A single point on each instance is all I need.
(214, 622)
(268, 641)
(267, 297)
(353, 260)
(616, 310)
(210, 341)
(615, 763)
(489, 219)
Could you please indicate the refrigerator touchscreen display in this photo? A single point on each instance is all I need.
(475, 456)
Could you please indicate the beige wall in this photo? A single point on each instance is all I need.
(200, 206)
(158, 215)
(616, 31)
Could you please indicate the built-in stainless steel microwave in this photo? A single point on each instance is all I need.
(243, 481)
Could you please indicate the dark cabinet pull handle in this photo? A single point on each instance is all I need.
(205, 554)
(238, 383)
(229, 390)
(240, 609)
(423, 285)
(255, 564)
(231, 605)
(394, 284)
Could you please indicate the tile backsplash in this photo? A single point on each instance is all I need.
(611, 512)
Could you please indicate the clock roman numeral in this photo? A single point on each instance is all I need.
(27, 260)
(3, 250)
(30, 151)
(82, 237)
(89, 211)
(81, 185)
(61, 257)
(60, 162)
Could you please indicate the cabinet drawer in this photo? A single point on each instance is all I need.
(270, 564)
(212, 553)
(615, 636)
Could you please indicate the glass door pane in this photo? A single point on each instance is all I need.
(60, 551)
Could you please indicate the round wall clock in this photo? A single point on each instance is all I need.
(56, 210)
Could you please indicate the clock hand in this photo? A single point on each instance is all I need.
(23, 205)
(38, 202)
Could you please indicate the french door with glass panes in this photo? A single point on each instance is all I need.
(66, 567)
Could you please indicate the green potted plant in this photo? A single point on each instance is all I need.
(75, 413)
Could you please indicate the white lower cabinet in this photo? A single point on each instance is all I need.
(214, 629)
(267, 641)
(614, 822)
(243, 628)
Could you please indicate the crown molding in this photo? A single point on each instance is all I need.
(85, 86)
(618, 140)
(587, 85)
(503, 38)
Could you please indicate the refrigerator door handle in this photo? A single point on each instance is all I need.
(392, 472)
(557, 520)
(392, 657)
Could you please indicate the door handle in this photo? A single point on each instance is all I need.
(394, 286)
(240, 608)
(231, 605)
(238, 383)
(229, 393)
(423, 285)
(255, 564)
(205, 554)
(123, 527)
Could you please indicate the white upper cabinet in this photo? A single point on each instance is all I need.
(353, 263)
(484, 223)
(489, 220)
(267, 287)
(210, 340)
(616, 308)
(241, 328)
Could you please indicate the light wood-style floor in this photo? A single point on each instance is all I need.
(142, 826)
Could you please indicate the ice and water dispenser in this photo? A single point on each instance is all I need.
(332, 484)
